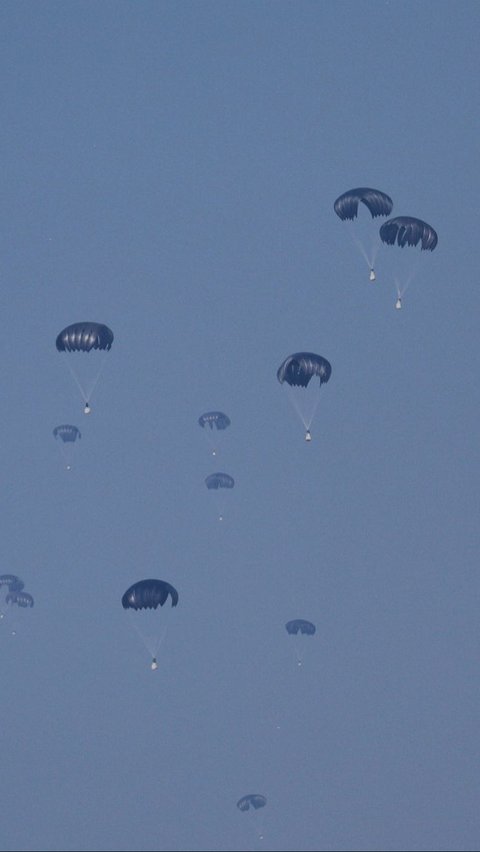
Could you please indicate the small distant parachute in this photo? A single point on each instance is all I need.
(219, 480)
(252, 800)
(408, 231)
(20, 598)
(378, 203)
(149, 594)
(84, 336)
(299, 625)
(67, 433)
(299, 368)
(216, 419)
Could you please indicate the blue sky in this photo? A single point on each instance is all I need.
(169, 169)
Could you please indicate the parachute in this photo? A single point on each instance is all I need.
(220, 483)
(219, 480)
(405, 231)
(142, 600)
(20, 598)
(299, 625)
(149, 594)
(67, 432)
(297, 371)
(67, 435)
(85, 337)
(299, 368)
(12, 581)
(251, 800)
(300, 629)
(214, 418)
(377, 203)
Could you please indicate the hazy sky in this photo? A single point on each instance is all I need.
(169, 169)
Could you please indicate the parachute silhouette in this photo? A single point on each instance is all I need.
(149, 594)
(299, 625)
(254, 800)
(20, 598)
(219, 480)
(214, 418)
(67, 433)
(12, 581)
(84, 336)
(378, 203)
(298, 369)
(406, 230)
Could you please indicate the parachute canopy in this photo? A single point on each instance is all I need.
(149, 594)
(378, 203)
(84, 336)
(66, 432)
(299, 625)
(219, 480)
(20, 598)
(214, 418)
(254, 800)
(406, 230)
(299, 368)
(14, 583)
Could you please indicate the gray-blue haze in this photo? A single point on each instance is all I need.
(170, 169)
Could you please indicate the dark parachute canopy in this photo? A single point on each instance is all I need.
(254, 800)
(14, 583)
(406, 230)
(84, 336)
(378, 203)
(67, 432)
(149, 594)
(299, 625)
(299, 368)
(214, 418)
(219, 480)
(20, 598)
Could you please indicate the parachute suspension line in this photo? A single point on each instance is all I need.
(78, 383)
(86, 393)
(151, 643)
(369, 259)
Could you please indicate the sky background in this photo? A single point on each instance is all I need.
(169, 169)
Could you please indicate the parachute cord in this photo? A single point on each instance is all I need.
(95, 381)
(76, 379)
(359, 244)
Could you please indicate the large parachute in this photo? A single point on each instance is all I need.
(216, 419)
(251, 800)
(297, 371)
(405, 231)
(378, 203)
(363, 231)
(299, 368)
(85, 337)
(149, 594)
(300, 625)
(142, 600)
(408, 231)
